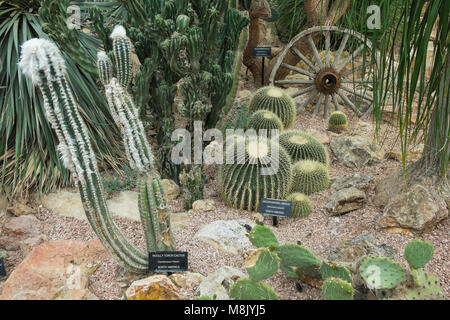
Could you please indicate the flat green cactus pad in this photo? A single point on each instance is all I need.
(262, 236)
(333, 271)
(337, 289)
(294, 255)
(418, 253)
(261, 264)
(247, 289)
(430, 290)
(382, 273)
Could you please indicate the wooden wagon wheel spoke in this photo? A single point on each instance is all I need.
(305, 59)
(303, 91)
(319, 102)
(326, 76)
(347, 101)
(297, 81)
(298, 70)
(351, 57)
(340, 50)
(335, 102)
(359, 94)
(308, 100)
(315, 52)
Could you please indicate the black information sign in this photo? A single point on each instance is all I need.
(2, 269)
(277, 208)
(168, 261)
(262, 51)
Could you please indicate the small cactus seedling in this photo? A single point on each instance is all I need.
(337, 122)
(276, 100)
(337, 289)
(310, 177)
(261, 264)
(265, 119)
(418, 253)
(247, 289)
(301, 205)
(382, 273)
(333, 271)
(262, 236)
(303, 146)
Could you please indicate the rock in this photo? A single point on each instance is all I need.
(3, 202)
(229, 236)
(244, 96)
(345, 200)
(213, 154)
(20, 209)
(2, 220)
(187, 280)
(125, 205)
(418, 210)
(350, 252)
(65, 203)
(18, 229)
(322, 137)
(203, 206)
(219, 283)
(55, 270)
(28, 244)
(171, 189)
(157, 287)
(353, 151)
(259, 218)
(179, 221)
(356, 180)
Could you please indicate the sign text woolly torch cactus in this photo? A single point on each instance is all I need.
(42, 62)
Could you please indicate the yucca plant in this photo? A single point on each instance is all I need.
(28, 157)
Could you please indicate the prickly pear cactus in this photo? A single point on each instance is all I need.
(276, 100)
(337, 122)
(247, 289)
(337, 289)
(261, 264)
(333, 271)
(309, 177)
(301, 205)
(262, 236)
(294, 255)
(303, 146)
(430, 290)
(418, 253)
(382, 273)
(265, 119)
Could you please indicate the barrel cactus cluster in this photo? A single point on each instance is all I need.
(41, 60)
(277, 101)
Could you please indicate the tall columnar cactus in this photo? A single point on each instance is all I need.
(257, 168)
(310, 177)
(42, 62)
(152, 204)
(337, 122)
(276, 100)
(303, 146)
(265, 119)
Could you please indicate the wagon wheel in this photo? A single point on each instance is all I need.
(342, 72)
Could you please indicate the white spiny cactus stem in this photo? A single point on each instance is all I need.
(118, 32)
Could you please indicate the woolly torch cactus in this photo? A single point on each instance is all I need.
(42, 62)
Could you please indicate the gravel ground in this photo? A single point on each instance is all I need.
(318, 232)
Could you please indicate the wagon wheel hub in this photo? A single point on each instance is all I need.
(328, 81)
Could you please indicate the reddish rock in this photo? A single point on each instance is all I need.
(157, 287)
(18, 229)
(55, 270)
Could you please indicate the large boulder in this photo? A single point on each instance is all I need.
(345, 200)
(158, 287)
(219, 283)
(55, 270)
(418, 211)
(353, 151)
(229, 236)
(21, 231)
(357, 180)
